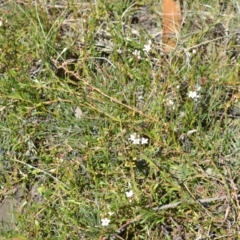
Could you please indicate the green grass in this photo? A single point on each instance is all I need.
(71, 94)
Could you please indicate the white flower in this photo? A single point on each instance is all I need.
(136, 53)
(147, 47)
(170, 102)
(110, 213)
(144, 141)
(136, 141)
(135, 138)
(193, 95)
(105, 222)
(132, 136)
(1, 23)
(198, 88)
(182, 114)
(135, 32)
(129, 194)
(119, 51)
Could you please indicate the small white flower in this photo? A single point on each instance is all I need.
(210, 172)
(1, 23)
(147, 47)
(135, 138)
(132, 136)
(194, 51)
(136, 141)
(182, 114)
(170, 104)
(198, 88)
(119, 50)
(193, 95)
(110, 213)
(136, 53)
(105, 222)
(129, 194)
(144, 141)
(135, 32)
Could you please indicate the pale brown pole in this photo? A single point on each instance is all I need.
(172, 20)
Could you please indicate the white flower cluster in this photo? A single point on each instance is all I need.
(136, 139)
(146, 48)
(106, 221)
(194, 94)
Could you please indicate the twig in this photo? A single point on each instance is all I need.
(103, 58)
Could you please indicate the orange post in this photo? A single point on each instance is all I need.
(172, 20)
